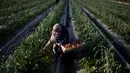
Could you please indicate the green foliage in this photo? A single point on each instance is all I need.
(15, 14)
(124, 0)
(26, 57)
(114, 15)
(99, 57)
(105, 64)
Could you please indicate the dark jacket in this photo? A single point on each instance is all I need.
(63, 35)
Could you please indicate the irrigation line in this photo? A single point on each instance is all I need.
(121, 57)
(62, 22)
(121, 50)
(6, 49)
(66, 21)
(66, 14)
(58, 67)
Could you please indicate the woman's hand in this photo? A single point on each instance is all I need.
(57, 48)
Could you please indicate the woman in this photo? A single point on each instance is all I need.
(59, 34)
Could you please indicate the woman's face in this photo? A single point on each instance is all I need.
(56, 30)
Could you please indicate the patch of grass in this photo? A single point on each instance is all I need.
(26, 58)
(114, 15)
(124, 0)
(105, 64)
(15, 14)
(98, 55)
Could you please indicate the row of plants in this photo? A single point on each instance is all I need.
(15, 6)
(98, 56)
(17, 15)
(124, 0)
(114, 15)
(26, 57)
(8, 3)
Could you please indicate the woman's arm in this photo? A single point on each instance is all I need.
(47, 49)
(55, 33)
(48, 46)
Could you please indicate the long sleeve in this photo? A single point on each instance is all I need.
(48, 46)
(47, 49)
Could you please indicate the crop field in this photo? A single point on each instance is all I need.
(95, 42)
(124, 1)
(98, 55)
(16, 13)
(24, 57)
(116, 16)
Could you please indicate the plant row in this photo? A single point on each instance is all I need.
(26, 57)
(98, 55)
(18, 13)
(124, 1)
(114, 15)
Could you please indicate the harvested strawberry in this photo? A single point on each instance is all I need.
(72, 45)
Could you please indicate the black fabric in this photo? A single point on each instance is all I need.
(57, 1)
(68, 62)
(63, 35)
(67, 59)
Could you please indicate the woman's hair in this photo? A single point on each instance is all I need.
(57, 27)
(63, 34)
